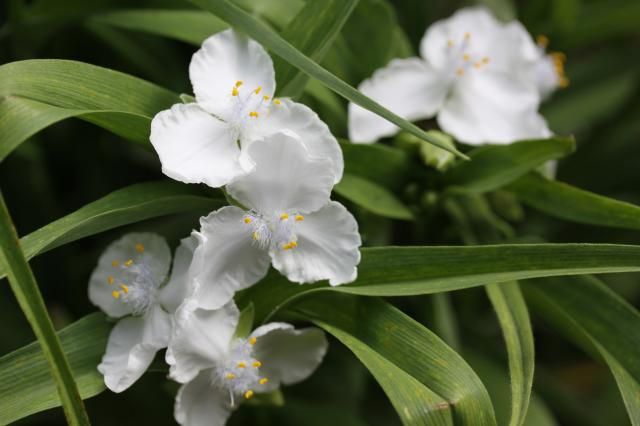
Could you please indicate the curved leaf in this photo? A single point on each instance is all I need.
(372, 197)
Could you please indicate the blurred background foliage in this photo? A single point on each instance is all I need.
(73, 163)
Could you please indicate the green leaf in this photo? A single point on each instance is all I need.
(595, 318)
(496, 165)
(37, 93)
(387, 166)
(245, 323)
(25, 384)
(312, 32)
(128, 205)
(372, 197)
(257, 30)
(409, 347)
(513, 315)
(574, 204)
(25, 288)
(407, 271)
(190, 26)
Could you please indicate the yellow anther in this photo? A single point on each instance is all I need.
(277, 101)
(266, 98)
(128, 263)
(242, 365)
(263, 381)
(485, 60)
(467, 35)
(252, 341)
(255, 236)
(477, 65)
(299, 218)
(247, 220)
(558, 57)
(293, 244)
(253, 114)
(110, 279)
(248, 394)
(231, 376)
(542, 40)
(115, 263)
(257, 364)
(115, 294)
(290, 245)
(284, 216)
(239, 83)
(466, 57)
(139, 248)
(450, 43)
(234, 91)
(459, 72)
(563, 83)
(258, 90)
(124, 288)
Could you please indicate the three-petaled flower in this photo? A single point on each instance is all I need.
(233, 81)
(220, 370)
(482, 79)
(289, 221)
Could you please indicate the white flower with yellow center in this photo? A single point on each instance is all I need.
(220, 371)
(289, 221)
(476, 75)
(233, 81)
(130, 282)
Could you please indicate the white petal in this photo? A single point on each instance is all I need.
(305, 123)
(224, 59)
(288, 355)
(200, 338)
(230, 259)
(489, 108)
(156, 256)
(199, 403)
(132, 345)
(547, 78)
(285, 177)
(328, 242)
(194, 146)
(408, 87)
(184, 264)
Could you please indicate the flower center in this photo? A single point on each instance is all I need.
(248, 105)
(133, 282)
(461, 58)
(239, 373)
(277, 231)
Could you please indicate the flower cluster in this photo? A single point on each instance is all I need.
(483, 80)
(277, 160)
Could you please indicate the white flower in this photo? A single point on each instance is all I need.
(474, 74)
(128, 284)
(220, 370)
(290, 222)
(233, 81)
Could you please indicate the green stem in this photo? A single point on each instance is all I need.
(26, 290)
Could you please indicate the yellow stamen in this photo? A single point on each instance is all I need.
(460, 72)
(563, 83)
(284, 216)
(128, 263)
(139, 248)
(542, 40)
(242, 365)
(257, 364)
(293, 244)
(467, 35)
(299, 218)
(247, 220)
(234, 91)
(258, 90)
(248, 394)
(239, 83)
(255, 236)
(231, 376)
(110, 279)
(115, 263)
(485, 60)
(124, 288)
(263, 381)
(276, 101)
(477, 65)
(266, 98)
(253, 114)
(466, 57)
(450, 43)
(115, 294)
(253, 341)
(290, 245)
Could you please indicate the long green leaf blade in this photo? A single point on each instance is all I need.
(26, 290)
(272, 41)
(25, 384)
(372, 197)
(574, 204)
